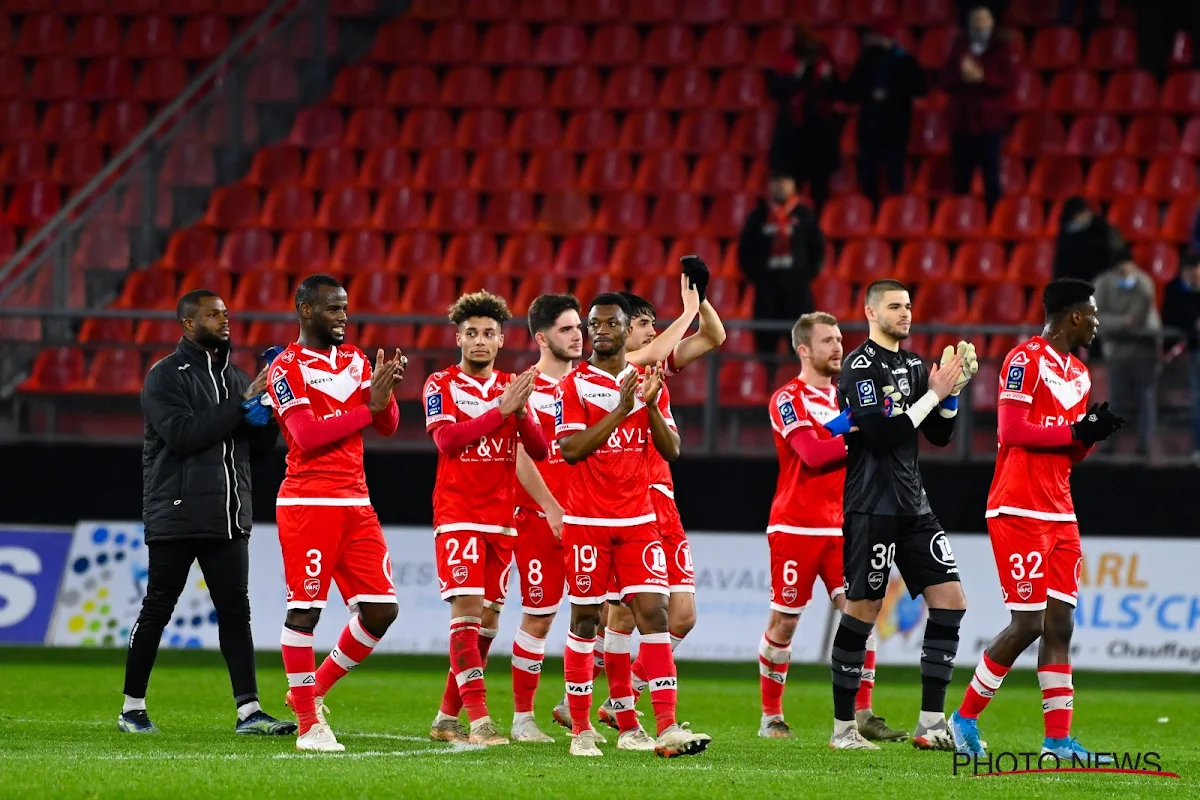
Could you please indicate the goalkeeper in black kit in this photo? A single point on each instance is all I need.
(891, 396)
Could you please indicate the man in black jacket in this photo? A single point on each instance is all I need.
(1181, 311)
(201, 433)
(780, 251)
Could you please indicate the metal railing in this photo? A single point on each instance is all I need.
(714, 422)
(122, 217)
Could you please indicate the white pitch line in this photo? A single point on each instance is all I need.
(396, 737)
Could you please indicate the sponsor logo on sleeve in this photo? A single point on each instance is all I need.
(866, 393)
(433, 405)
(860, 362)
(283, 391)
(1015, 378)
(787, 413)
(558, 412)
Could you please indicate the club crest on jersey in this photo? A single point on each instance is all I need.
(433, 405)
(535, 594)
(787, 412)
(654, 559)
(459, 574)
(902, 385)
(789, 594)
(584, 582)
(1015, 378)
(866, 392)
(1024, 590)
(288, 356)
(860, 362)
(875, 580)
(355, 372)
(312, 586)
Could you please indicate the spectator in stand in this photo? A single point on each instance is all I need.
(885, 82)
(979, 76)
(1181, 311)
(1130, 342)
(965, 7)
(1091, 15)
(805, 143)
(1087, 245)
(780, 251)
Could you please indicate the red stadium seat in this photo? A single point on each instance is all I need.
(119, 122)
(1110, 178)
(330, 166)
(522, 87)
(652, 11)
(157, 331)
(1135, 217)
(426, 129)
(554, 170)
(1073, 91)
(99, 247)
(440, 169)
(399, 209)
(150, 36)
(1151, 136)
(289, 208)
(54, 78)
(249, 249)
(728, 212)
(646, 130)
(663, 293)
(116, 371)
(509, 212)
(19, 121)
(615, 46)
(724, 46)
(496, 170)
(999, 304)
(544, 10)
(317, 126)
(740, 90)
(425, 291)
(262, 290)
(676, 214)
(834, 296)
(718, 173)
(981, 262)
(23, 161)
(414, 87)
(904, 217)
(468, 87)
(189, 162)
(1019, 217)
(302, 251)
(662, 172)
(701, 132)
(96, 36)
(935, 46)
(146, 288)
(927, 12)
(33, 204)
(685, 89)
(842, 44)
(1029, 93)
(273, 80)
(1177, 225)
(565, 213)
(751, 134)
(532, 252)
(358, 85)
(621, 214)
(1181, 93)
(706, 12)
(44, 35)
(453, 42)
(418, 251)
(1032, 263)
(865, 260)
(203, 38)
(160, 80)
(923, 260)
(1160, 259)
(847, 217)
(344, 208)
(489, 10)
(669, 45)
(537, 129)
(507, 42)
(190, 247)
(263, 333)
(959, 218)
(401, 41)
(590, 130)
(275, 164)
(940, 301)
(1134, 92)
(1111, 49)
(582, 255)
(743, 384)
(598, 283)
(1054, 49)
(532, 285)
(630, 88)
(641, 254)
(454, 210)
(1055, 177)
(56, 369)
(1171, 177)
(1037, 134)
(930, 134)
(373, 291)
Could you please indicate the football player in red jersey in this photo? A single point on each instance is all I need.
(1045, 428)
(804, 530)
(477, 416)
(608, 416)
(618, 623)
(325, 392)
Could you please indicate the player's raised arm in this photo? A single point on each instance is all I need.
(665, 343)
(575, 439)
(658, 407)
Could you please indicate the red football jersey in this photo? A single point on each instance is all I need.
(554, 470)
(330, 384)
(1054, 388)
(660, 470)
(612, 485)
(474, 488)
(807, 501)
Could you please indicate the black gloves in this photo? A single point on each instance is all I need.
(697, 273)
(1097, 424)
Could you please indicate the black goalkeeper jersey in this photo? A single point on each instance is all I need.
(882, 476)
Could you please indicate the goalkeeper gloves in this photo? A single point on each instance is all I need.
(1097, 424)
(697, 274)
(970, 364)
(891, 400)
(841, 424)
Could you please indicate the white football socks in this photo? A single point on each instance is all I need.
(133, 704)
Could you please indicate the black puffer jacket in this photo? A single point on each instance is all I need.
(198, 447)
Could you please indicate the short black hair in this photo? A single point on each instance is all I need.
(189, 304)
(479, 304)
(1064, 294)
(876, 290)
(310, 287)
(547, 308)
(612, 299)
(639, 306)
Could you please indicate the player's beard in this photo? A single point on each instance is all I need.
(211, 341)
(828, 369)
(561, 353)
(894, 332)
(480, 365)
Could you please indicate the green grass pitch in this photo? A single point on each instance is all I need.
(58, 737)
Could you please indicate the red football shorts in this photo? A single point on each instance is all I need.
(1036, 559)
(796, 562)
(541, 564)
(474, 563)
(631, 557)
(333, 543)
(680, 575)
